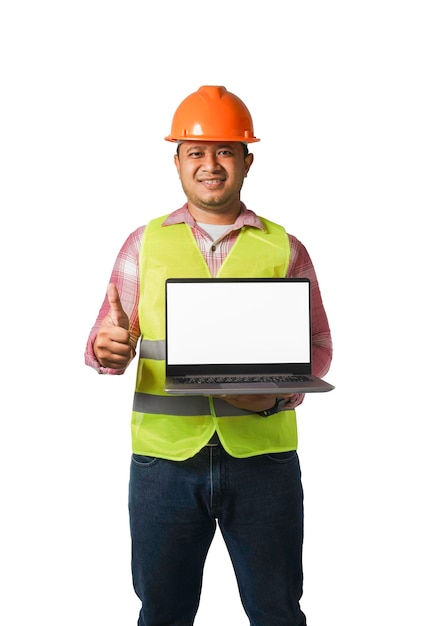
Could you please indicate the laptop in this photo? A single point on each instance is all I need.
(239, 336)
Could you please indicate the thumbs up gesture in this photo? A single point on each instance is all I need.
(112, 345)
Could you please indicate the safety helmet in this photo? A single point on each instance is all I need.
(212, 114)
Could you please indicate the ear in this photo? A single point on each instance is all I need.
(177, 163)
(247, 163)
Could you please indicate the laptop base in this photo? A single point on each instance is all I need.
(212, 387)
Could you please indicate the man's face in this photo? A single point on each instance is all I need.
(212, 173)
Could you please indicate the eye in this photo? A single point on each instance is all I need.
(225, 152)
(194, 154)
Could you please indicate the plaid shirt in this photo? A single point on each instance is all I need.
(125, 275)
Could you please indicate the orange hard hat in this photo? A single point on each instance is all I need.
(212, 114)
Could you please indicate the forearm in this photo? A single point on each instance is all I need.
(322, 354)
(301, 266)
(125, 275)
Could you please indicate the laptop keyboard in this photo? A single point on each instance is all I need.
(241, 379)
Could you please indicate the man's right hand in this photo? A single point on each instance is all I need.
(112, 345)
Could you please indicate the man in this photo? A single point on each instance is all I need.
(198, 462)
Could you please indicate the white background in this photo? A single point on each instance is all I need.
(338, 92)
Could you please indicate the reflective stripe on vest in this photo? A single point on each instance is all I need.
(178, 427)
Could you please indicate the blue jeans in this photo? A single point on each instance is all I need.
(174, 507)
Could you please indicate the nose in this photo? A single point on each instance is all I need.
(211, 163)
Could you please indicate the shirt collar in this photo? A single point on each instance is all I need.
(245, 218)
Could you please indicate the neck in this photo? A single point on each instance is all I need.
(214, 216)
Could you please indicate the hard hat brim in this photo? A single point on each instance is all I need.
(174, 139)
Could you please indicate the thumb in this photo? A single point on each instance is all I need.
(117, 313)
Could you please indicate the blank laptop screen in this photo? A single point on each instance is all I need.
(222, 321)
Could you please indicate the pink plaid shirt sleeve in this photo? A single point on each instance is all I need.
(125, 275)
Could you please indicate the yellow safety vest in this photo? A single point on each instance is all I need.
(177, 427)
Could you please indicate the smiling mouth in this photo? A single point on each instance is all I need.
(212, 182)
